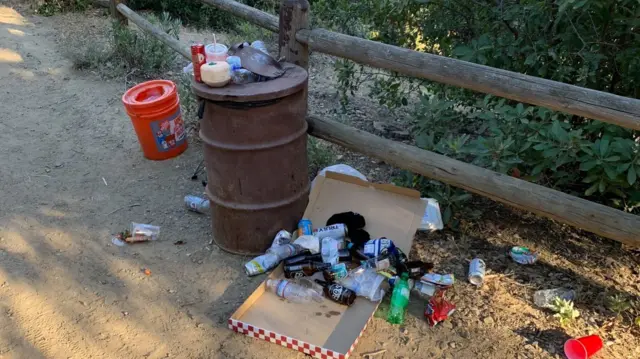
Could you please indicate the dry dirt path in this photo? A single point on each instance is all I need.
(66, 292)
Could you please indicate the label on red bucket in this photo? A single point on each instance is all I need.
(169, 132)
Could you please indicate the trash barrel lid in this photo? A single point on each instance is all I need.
(293, 80)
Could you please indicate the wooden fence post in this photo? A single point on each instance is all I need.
(294, 15)
(113, 6)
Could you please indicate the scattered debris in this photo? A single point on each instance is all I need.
(523, 255)
(179, 243)
(147, 271)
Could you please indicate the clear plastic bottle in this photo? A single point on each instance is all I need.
(544, 298)
(285, 251)
(399, 300)
(293, 291)
(329, 250)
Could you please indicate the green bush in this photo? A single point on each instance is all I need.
(198, 14)
(129, 50)
(139, 50)
(589, 43)
(52, 7)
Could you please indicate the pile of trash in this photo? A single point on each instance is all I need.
(339, 261)
(216, 65)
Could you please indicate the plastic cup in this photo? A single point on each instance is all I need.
(582, 348)
(217, 52)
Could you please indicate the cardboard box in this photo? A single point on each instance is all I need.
(330, 330)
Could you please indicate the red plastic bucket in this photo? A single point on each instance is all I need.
(154, 109)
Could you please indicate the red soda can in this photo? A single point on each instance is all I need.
(438, 309)
(198, 57)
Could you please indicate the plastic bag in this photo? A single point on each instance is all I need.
(311, 243)
(432, 219)
(341, 168)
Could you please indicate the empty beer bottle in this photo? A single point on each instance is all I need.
(337, 292)
(304, 269)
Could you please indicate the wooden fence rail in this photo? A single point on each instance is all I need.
(597, 218)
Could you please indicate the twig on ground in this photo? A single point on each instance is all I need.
(105, 181)
(373, 353)
(130, 206)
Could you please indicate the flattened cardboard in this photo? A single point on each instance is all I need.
(318, 329)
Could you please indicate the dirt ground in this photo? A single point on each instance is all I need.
(72, 174)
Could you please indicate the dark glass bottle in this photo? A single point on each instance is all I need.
(337, 292)
(304, 269)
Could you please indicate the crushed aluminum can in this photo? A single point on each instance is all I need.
(438, 309)
(444, 280)
(523, 255)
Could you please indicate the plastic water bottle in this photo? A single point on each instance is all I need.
(293, 291)
(545, 298)
(234, 62)
(329, 250)
(399, 300)
(259, 45)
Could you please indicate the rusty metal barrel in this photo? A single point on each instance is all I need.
(255, 141)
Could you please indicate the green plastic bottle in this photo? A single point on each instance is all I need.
(399, 300)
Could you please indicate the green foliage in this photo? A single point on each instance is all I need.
(198, 14)
(52, 7)
(319, 156)
(590, 43)
(188, 101)
(618, 304)
(129, 50)
(564, 311)
(138, 50)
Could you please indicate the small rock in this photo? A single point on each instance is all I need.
(58, 164)
(442, 345)
(488, 321)
(447, 324)
(84, 304)
(47, 170)
(551, 349)
(199, 325)
(125, 313)
(403, 330)
(452, 345)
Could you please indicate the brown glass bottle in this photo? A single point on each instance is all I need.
(337, 292)
(304, 269)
